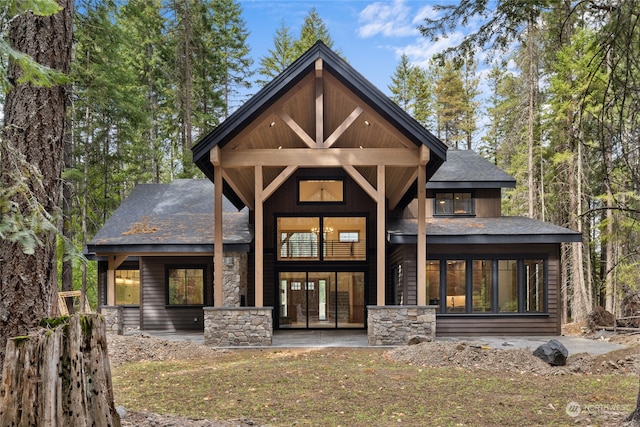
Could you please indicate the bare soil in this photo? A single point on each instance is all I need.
(462, 354)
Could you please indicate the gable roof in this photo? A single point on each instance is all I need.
(465, 169)
(286, 81)
(175, 217)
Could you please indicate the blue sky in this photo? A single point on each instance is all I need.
(371, 35)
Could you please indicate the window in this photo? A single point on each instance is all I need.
(456, 286)
(534, 285)
(453, 204)
(508, 286)
(320, 190)
(322, 238)
(185, 286)
(127, 287)
(481, 281)
(433, 281)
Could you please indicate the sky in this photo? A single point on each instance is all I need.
(371, 35)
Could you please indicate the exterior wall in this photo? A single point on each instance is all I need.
(238, 326)
(548, 323)
(397, 325)
(487, 203)
(155, 314)
(284, 201)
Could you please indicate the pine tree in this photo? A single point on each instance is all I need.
(31, 163)
(280, 57)
(312, 30)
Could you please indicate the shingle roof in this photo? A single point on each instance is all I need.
(465, 169)
(170, 217)
(511, 229)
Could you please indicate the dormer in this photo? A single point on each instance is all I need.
(466, 185)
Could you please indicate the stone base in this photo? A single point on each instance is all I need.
(398, 324)
(238, 326)
(113, 319)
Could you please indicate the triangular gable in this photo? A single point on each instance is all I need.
(286, 105)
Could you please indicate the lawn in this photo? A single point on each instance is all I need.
(362, 387)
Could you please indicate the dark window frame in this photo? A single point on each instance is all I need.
(341, 179)
(521, 285)
(169, 267)
(472, 198)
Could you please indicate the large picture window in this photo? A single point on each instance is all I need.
(322, 238)
(185, 285)
(508, 286)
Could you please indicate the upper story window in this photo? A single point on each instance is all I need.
(454, 204)
(321, 190)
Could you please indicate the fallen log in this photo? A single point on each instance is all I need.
(59, 376)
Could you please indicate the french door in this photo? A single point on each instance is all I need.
(331, 299)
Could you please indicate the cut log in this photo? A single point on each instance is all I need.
(59, 376)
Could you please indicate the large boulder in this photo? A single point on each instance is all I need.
(553, 352)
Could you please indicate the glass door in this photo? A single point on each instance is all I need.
(320, 300)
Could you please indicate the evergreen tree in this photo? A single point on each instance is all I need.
(31, 160)
(312, 30)
(450, 104)
(280, 57)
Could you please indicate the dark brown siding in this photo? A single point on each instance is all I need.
(131, 317)
(155, 313)
(520, 324)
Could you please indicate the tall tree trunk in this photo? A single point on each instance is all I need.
(532, 80)
(34, 120)
(67, 227)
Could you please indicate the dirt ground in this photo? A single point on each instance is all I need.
(462, 354)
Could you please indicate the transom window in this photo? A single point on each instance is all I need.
(321, 190)
(453, 204)
(185, 285)
(516, 285)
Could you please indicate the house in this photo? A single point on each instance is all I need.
(327, 206)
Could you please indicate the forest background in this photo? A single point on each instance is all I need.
(149, 77)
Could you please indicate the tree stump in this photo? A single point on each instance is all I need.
(59, 376)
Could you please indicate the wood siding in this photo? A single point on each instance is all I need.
(155, 314)
(498, 324)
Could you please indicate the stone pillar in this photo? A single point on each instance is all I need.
(113, 319)
(397, 324)
(234, 278)
(238, 326)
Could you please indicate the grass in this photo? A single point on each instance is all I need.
(358, 387)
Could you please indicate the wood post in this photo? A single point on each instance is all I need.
(59, 377)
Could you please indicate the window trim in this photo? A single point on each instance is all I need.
(472, 197)
(340, 179)
(519, 258)
(168, 267)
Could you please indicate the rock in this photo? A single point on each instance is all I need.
(552, 352)
(122, 411)
(417, 339)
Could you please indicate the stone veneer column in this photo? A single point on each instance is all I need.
(397, 324)
(238, 326)
(232, 325)
(234, 278)
(113, 319)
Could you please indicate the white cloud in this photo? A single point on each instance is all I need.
(422, 49)
(387, 19)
